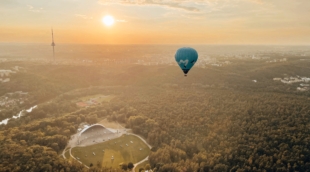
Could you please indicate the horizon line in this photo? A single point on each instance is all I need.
(141, 44)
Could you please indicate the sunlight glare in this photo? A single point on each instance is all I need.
(108, 20)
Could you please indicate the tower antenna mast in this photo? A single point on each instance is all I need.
(53, 44)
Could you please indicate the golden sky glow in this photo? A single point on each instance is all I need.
(157, 21)
(108, 20)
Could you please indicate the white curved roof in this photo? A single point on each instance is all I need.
(86, 128)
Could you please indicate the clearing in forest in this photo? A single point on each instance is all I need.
(111, 124)
(127, 148)
(93, 100)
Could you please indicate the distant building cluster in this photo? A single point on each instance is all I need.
(89, 102)
(291, 80)
(13, 99)
(5, 74)
(302, 88)
(297, 79)
(277, 60)
(254, 57)
(207, 61)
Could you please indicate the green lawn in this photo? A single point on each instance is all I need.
(117, 148)
(67, 155)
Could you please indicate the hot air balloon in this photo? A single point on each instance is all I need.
(186, 57)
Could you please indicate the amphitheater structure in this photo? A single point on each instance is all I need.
(97, 133)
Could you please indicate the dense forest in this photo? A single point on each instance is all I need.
(216, 119)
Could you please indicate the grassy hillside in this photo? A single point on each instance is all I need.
(116, 148)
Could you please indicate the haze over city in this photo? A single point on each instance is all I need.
(283, 22)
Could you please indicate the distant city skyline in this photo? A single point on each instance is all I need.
(281, 22)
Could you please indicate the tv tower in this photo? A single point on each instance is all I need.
(53, 43)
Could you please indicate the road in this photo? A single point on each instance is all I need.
(136, 164)
(142, 140)
(145, 159)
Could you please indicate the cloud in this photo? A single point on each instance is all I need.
(121, 21)
(8, 2)
(186, 5)
(83, 16)
(35, 10)
(175, 4)
(257, 1)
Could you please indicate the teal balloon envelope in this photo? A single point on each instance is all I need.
(186, 57)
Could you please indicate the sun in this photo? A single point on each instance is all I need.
(108, 20)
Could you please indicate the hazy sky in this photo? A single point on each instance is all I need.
(157, 21)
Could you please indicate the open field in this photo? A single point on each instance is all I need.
(93, 100)
(98, 97)
(117, 148)
(110, 124)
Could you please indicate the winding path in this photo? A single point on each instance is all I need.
(145, 159)
(140, 162)
(141, 139)
(77, 159)
(63, 153)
